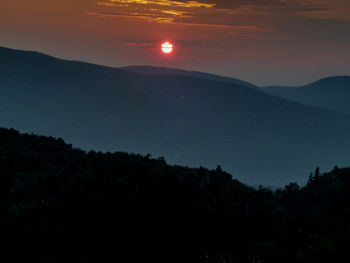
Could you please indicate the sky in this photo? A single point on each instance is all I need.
(265, 42)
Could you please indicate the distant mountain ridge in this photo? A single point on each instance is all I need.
(258, 138)
(150, 70)
(332, 93)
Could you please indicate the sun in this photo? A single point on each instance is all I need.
(167, 47)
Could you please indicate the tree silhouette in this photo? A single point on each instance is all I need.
(61, 204)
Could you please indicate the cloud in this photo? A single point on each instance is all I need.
(271, 18)
(328, 14)
(144, 16)
(187, 4)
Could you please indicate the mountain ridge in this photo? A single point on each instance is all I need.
(188, 120)
(152, 70)
(62, 204)
(331, 93)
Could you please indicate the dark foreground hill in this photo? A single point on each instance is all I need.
(189, 120)
(332, 93)
(61, 204)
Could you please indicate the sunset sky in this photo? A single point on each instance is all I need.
(266, 42)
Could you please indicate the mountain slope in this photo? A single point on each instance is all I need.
(258, 138)
(157, 71)
(332, 93)
(61, 204)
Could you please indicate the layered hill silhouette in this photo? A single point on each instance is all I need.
(190, 120)
(150, 70)
(332, 93)
(61, 204)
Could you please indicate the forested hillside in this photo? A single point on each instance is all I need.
(61, 204)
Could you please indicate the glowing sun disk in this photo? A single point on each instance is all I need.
(167, 47)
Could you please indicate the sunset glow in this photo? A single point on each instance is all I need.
(310, 38)
(167, 48)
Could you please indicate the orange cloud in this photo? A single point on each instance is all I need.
(173, 12)
(188, 4)
(248, 19)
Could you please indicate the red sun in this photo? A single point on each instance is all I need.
(167, 47)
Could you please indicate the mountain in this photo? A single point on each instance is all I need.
(258, 138)
(157, 71)
(61, 204)
(332, 93)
